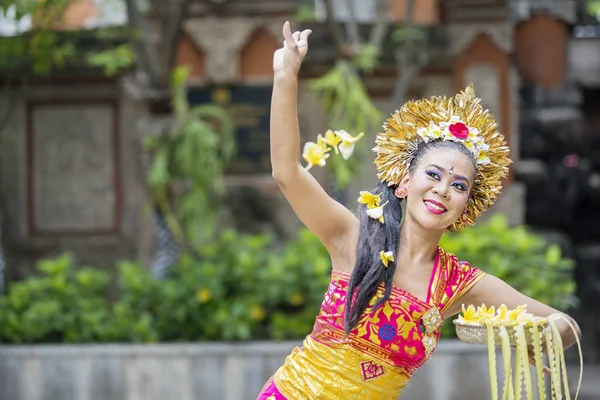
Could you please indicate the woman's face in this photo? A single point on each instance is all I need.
(438, 188)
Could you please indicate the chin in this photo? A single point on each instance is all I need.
(431, 225)
(434, 222)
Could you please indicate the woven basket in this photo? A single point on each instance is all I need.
(477, 334)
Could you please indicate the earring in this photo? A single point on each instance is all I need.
(401, 192)
(464, 219)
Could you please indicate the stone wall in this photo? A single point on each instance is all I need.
(201, 371)
(71, 176)
(215, 371)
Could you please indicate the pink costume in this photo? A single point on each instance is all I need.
(377, 359)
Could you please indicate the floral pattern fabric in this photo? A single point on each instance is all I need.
(388, 344)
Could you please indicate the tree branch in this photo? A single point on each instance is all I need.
(174, 32)
(381, 25)
(341, 46)
(141, 45)
(352, 27)
(406, 69)
(405, 73)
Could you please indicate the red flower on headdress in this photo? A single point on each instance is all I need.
(459, 130)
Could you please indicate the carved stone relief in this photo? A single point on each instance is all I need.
(462, 35)
(565, 10)
(222, 41)
(73, 168)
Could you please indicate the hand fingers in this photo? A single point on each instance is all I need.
(546, 369)
(296, 36)
(303, 40)
(287, 35)
(305, 34)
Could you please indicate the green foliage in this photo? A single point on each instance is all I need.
(348, 106)
(366, 59)
(524, 260)
(305, 12)
(403, 34)
(243, 288)
(190, 160)
(112, 61)
(45, 47)
(593, 7)
(42, 48)
(58, 306)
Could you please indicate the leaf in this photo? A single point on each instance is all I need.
(158, 176)
(113, 61)
(553, 255)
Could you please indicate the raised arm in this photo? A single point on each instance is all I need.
(331, 222)
(492, 291)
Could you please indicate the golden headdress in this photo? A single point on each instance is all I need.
(461, 119)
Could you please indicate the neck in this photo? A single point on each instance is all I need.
(417, 245)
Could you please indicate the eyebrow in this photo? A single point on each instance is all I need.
(459, 177)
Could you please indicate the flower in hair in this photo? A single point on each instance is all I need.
(315, 155)
(376, 212)
(348, 142)
(330, 139)
(460, 119)
(370, 199)
(459, 130)
(386, 257)
(341, 141)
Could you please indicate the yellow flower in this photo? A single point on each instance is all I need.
(386, 257)
(434, 131)
(469, 315)
(482, 310)
(257, 313)
(368, 198)
(482, 157)
(322, 143)
(348, 142)
(526, 318)
(331, 139)
(203, 295)
(502, 313)
(314, 155)
(377, 212)
(296, 299)
(485, 314)
(513, 315)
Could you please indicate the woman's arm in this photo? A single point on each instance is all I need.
(331, 222)
(492, 291)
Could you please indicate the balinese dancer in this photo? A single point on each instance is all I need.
(440, 163)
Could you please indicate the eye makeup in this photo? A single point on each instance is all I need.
(460, 183)
(442, 170)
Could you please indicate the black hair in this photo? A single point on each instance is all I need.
(369, 271)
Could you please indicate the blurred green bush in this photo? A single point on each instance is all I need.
(245, 287)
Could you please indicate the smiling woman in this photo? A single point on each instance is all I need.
(440, 163)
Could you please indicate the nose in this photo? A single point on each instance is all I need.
(441, 190)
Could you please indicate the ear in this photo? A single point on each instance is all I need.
(405, 181)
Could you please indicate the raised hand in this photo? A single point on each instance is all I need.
(290, 56)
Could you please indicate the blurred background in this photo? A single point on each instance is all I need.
(147, 252)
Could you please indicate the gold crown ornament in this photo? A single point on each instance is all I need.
(461, 119)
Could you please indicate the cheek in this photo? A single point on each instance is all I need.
(460, 201)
